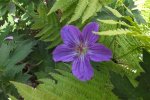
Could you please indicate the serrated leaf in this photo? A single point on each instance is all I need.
(42, 11)
(130, 12)
(113, 22)
(55, 43)
(38, 25)
(55, 35)
(114, 32)
(108, 21)
(45, 30)
(48, 34)
(68, 12)
(65, 86)
(21, 52)
(30, 93)
(61, 4)
(81, 6)
(115, 12)
(90, 10)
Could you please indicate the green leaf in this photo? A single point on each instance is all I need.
(66, 87)
(21, 52)
(12, 62)
(30, 93)
(61, 4)
(42, 11)
(123, 87)
(114, 32)
(83, 9)
(91, 9)
(44, 31)
(68, 12)
(113, 22)
(11, 97)
(79, 10)
(38, 25)
(108, 21)
(4, 53)
(53, 44)
(48, 26)
(143, 87)
(115, 12)
(130, 12)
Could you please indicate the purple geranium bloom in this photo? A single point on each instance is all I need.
(81, 47)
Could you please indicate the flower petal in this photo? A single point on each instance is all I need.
(82, 68)
(88, 34)
(9, 38)
(99, 52)
(71, 35)
(64, 53)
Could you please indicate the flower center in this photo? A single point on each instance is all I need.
(81, 49)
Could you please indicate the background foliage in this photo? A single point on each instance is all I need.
(27, 70)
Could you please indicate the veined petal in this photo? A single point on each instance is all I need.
(64, 53)
(88, 34)
(99, 52)
(71, 35)
(82, 68)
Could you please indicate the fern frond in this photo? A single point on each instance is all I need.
(113, 22)
(33, 93)
(48, 25)
(81, 6)
(67, 13)
(84, 9)
(114, 32)
(115, 12)
(61, 4)
(66, 87)
(91, 9)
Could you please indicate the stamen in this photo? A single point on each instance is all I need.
(81, 49)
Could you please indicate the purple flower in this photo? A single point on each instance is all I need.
(9, 38)
(79, 48)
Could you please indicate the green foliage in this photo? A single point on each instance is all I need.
(6, 6)
(11, 65)
(41, 61)
(84, 9)
(129, 8)
(24, 64)
(32, 93)
(115, 32)
(123, 87)
(126, 90)
(48, 26)
(114, 35)
(144, 80)
(145, 9)
(64, 86)
(115, 12)
(12, 97)
(127, 26)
